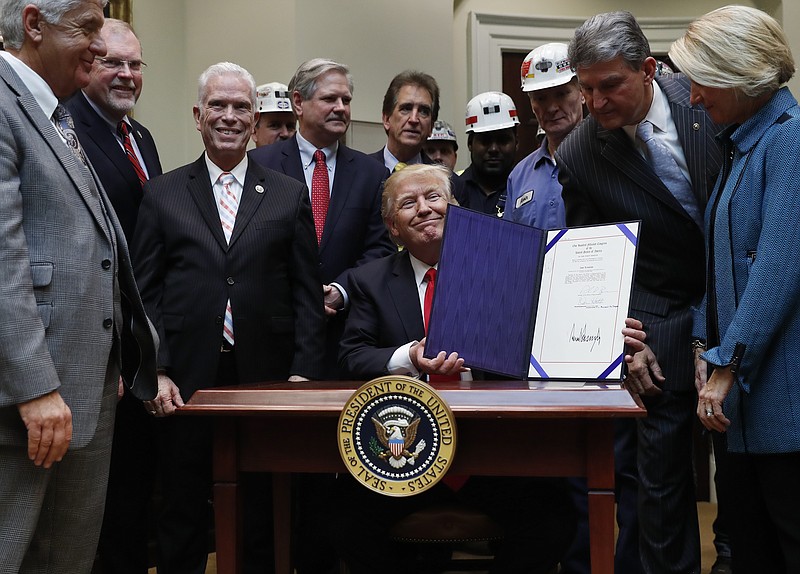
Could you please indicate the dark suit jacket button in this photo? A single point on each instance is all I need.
(106, 263)
(107, 323)
(218, 320)
(230, 281)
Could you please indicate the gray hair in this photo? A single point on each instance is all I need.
(607, 36)
(11, 26)
(223, 69)
(305, 78)
(438, 172)
(735, 47)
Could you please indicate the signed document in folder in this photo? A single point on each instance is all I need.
(533, 303)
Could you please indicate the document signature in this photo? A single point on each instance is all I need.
(583, 336)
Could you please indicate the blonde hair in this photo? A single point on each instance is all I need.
(735, 47)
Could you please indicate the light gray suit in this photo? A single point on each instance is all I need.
(70, 318)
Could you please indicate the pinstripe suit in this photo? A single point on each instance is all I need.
(70, 318)
(604, 180)
(187, 271)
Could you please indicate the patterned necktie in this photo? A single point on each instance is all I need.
(320, 192)
(124, 133)
(66, 127)
(228, 206)
(666, 168)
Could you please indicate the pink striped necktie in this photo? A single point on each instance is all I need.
(228, 206)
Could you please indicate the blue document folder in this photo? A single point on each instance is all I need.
(488, 291)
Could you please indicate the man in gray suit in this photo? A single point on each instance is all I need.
(611, 171)
(70, 317)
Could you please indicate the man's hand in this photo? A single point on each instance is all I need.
(167, 400)
(642, 369)
(442, 364)
(333, 299)
(49, 423)
(634, 337)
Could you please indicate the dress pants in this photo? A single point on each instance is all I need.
(126, 523)
(668, 526)
(50, 518)
(765, 530)
(185, 450)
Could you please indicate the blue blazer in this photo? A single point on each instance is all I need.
(756, 238)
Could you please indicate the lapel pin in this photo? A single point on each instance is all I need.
(259, 189)
(695, 126)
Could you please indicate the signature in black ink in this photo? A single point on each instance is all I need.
(584, 337)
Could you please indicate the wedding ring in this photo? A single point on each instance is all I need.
(709, 413)
(152, 412)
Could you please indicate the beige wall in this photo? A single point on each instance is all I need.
(376, 38)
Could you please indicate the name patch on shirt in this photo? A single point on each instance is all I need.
(523, 199)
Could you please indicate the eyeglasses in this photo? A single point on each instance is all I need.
(116, 64)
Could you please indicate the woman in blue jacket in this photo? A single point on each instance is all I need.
(748, 326)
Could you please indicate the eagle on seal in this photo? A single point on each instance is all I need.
(397, 436)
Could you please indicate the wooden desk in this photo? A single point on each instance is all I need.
(504, 429)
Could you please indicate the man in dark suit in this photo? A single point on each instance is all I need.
(410, 107)
(123, 160)
(385, 335)
(349, 227)
(70, 315)
(226, 260)
(99, 112)
(345, 190)
(609, 173)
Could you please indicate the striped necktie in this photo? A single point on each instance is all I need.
(124, 133)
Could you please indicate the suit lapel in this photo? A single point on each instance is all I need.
(148, 151)
(250, 200)
(291, 164)
(405, 296)
(74, 168)
(199, 186)
(342, 184)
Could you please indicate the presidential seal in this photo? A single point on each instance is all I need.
(397, 436)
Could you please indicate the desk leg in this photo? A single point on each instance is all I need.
(282, 516)
(600, 480)
(227, 499)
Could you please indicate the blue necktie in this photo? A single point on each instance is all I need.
(663, 163)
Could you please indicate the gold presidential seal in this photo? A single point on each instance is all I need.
(397, 436)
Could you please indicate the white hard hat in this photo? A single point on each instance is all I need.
(273, 97)
(545, 67)
(442, 131)
(491, 111)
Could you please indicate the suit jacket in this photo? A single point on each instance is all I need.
(68, 300)
(354, 232)
(110, 161)
(187, 272)
(606, 180)
(378, 155)
(384, 315)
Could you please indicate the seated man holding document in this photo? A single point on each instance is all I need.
(385, 334)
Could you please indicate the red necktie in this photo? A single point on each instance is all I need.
(430, 277)
(122, 129)
(320, 192)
